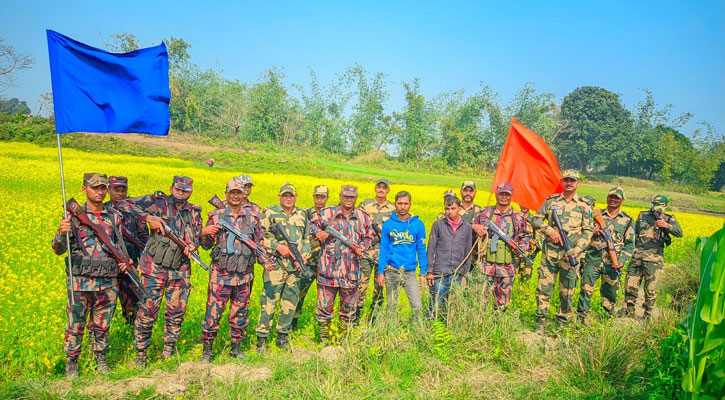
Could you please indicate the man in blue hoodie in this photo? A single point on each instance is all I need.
(402, 248)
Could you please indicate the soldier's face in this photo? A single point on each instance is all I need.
(234, 197)
(402, 206)
(570, 185)
(247, 190)
(181, 194)
(468, 194)
(614, 201)
(287, 200)
(347, 202)
(382, 190)
(118, 193)
(320, 200)
(452, 211)
(95, 194)
(503, 198)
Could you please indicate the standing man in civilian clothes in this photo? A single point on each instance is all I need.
(379, 209)
(339, 270)
(132, 226)
(402, 249)
(320, 194)
(499, 258)
(448, 256)
(165, 266)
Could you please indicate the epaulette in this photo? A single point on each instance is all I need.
(195, 207)
(159, 195)
(553, 196)
(624, 213)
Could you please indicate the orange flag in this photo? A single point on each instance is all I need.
(529, 165)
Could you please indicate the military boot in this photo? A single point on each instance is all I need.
(140, 358)
(261, 344)
(71, 368)
(206, 353)
(627, 312)
(168, 352)
(236, 352)
(540, 326)
(344, 329)
(294, 326)
(101, 365)
(282, 341)
(325, 333)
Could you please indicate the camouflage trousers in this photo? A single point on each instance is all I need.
(500, 288)
(216, 301)
(637, 272)
(553, 263)
(127, 297)
(176, 292)
(305, 285)
(526, 268)
(326, 303)
(280, 286)
(591, 272)
(367, 274)
(98, 308)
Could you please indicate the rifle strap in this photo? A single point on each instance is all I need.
(119, 239)
(77, 236)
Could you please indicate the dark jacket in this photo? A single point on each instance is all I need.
(446, 249)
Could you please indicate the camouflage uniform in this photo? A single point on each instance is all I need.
(171, 279)
(575, 218)
(339, 270)
(282, 283)
(648, 254)
(94, 289)
(598, 263)
(536, 240)
(127, 291)
(378, 214)
(312, 263)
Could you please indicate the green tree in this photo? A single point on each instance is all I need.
(366, 122)
(419, 137)
(14, 106)
(537, 111)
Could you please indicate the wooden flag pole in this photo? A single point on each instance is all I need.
(65, 215)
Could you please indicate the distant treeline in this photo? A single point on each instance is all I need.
(589, 129)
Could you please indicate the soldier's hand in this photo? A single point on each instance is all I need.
(269, 266)
(479, 229)
(463, 281)
(555, 237)
(190, 247)
(430, 279)
(661, 223)
(322, 236)
(64, 227)
(357, 250)
(210, 230)
(155, 224)
(124, 267)
(598, 231)
(422, 282)
(284, 251)
(380, 278)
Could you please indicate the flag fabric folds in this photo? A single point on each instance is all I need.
(98, 91)
(529, 165)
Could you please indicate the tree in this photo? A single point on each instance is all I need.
(366, 121)
(11, 61)
(537, 111)
(419, 136)
(14, 106)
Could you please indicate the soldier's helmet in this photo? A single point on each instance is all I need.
(468, 184)
(93, 179)
(505, 187)
(660, 199)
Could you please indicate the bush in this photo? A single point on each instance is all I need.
(679, 282)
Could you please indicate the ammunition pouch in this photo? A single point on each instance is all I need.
(95, 267)
(165, 252)
(503, 254)
(232, 262)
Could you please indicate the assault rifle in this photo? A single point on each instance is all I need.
(610, 245)
(661, 231)
(75, 209)
(248, 241)
(564, 237)
(348, 242)
(281, 233)
(507, 239)
(128, 235)
(170, 233)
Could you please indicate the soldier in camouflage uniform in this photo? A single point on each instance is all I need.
(339, 270)
(94, 286)
(574, 214)
(379, 209)
(499, 258)
(536, 240)
(132, 226)
(281, 281)
(597, 261)
(232, 264)
(320, 195)
(164, 265)
(653, 229)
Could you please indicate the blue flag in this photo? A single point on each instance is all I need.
(98, 91)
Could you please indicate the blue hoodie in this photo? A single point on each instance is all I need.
(399, 243)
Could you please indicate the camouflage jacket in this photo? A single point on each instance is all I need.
(513, 223)
(90, 245)
(378, 215)
(621, 228)
(315, 245)
(536, 237)
(647, 247)
(297, 226)
(339, 265)
(575, 217)
(467, 215)
(136, 228)
(186, 221)
(247, 221)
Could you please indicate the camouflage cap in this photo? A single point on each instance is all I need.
(118, 181)
(504, 187)
(235, 184)
(382, 180)
(246, 180)
(288, 188)
(321, 190)
(570, 173)
(448, 193)
(616, 191)
(470, 184)
(183, 183)
(93, 179)
(660, 199)
(349, 190)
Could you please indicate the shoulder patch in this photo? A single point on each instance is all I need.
(625, 214)
(553, 196)
(159, 195)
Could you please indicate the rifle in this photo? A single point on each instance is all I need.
(507, 239)
(128, 235)
(75, 209)
(348, 242)
(281, 233)
(661, 231)
(259, 251)
(564, 236)
(610, 245)
(170, 233)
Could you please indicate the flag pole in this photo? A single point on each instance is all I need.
(65, 215)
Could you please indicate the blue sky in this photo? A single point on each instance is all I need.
(676, 49)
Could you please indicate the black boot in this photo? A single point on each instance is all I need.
(207, 352)
(71, 368)
(236, 352)
(261, 344)
(282, 341)
(101, 365)
(141, 358)
(294, 326)
(168, 352)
